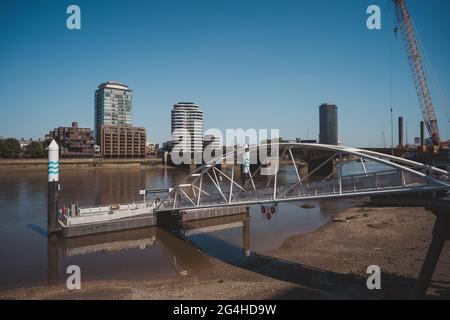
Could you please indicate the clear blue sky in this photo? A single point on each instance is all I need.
(248, 63)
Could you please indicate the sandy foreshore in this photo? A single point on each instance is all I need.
(328, 263)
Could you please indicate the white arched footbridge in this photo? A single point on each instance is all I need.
(352, 173)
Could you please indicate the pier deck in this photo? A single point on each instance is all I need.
(147, 220)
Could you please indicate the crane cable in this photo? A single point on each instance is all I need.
(434, 79)
(391, 77)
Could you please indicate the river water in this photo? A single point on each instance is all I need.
(28, 258)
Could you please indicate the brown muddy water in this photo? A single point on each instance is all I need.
(28, 258)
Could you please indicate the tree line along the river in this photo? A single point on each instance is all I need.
(10, 149)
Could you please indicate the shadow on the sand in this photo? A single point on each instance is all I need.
(313, 283)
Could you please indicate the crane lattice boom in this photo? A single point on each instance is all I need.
(417, 70)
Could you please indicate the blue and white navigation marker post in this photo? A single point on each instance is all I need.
(53, 187)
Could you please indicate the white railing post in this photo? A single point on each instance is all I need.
(200, 187)
(231, 183)
(340, 172)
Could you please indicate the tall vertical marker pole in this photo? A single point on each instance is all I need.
(53, 187)
(246, 165)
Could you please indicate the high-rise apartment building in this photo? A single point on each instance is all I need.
(328, 124)
(112, 106)
(113, 123)
(187, 125)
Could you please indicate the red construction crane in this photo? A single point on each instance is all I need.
(417, 70)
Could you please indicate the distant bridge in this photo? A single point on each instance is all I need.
(216, 184)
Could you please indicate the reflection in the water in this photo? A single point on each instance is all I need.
(28, 258)
(241, 220)
(183, 256)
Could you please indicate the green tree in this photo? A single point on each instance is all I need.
(35, 150)
(10, 148)
(277, 140)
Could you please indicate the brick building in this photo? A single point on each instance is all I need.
(123, 142)
(74, 142)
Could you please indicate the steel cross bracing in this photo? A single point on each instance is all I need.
(353, 173)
